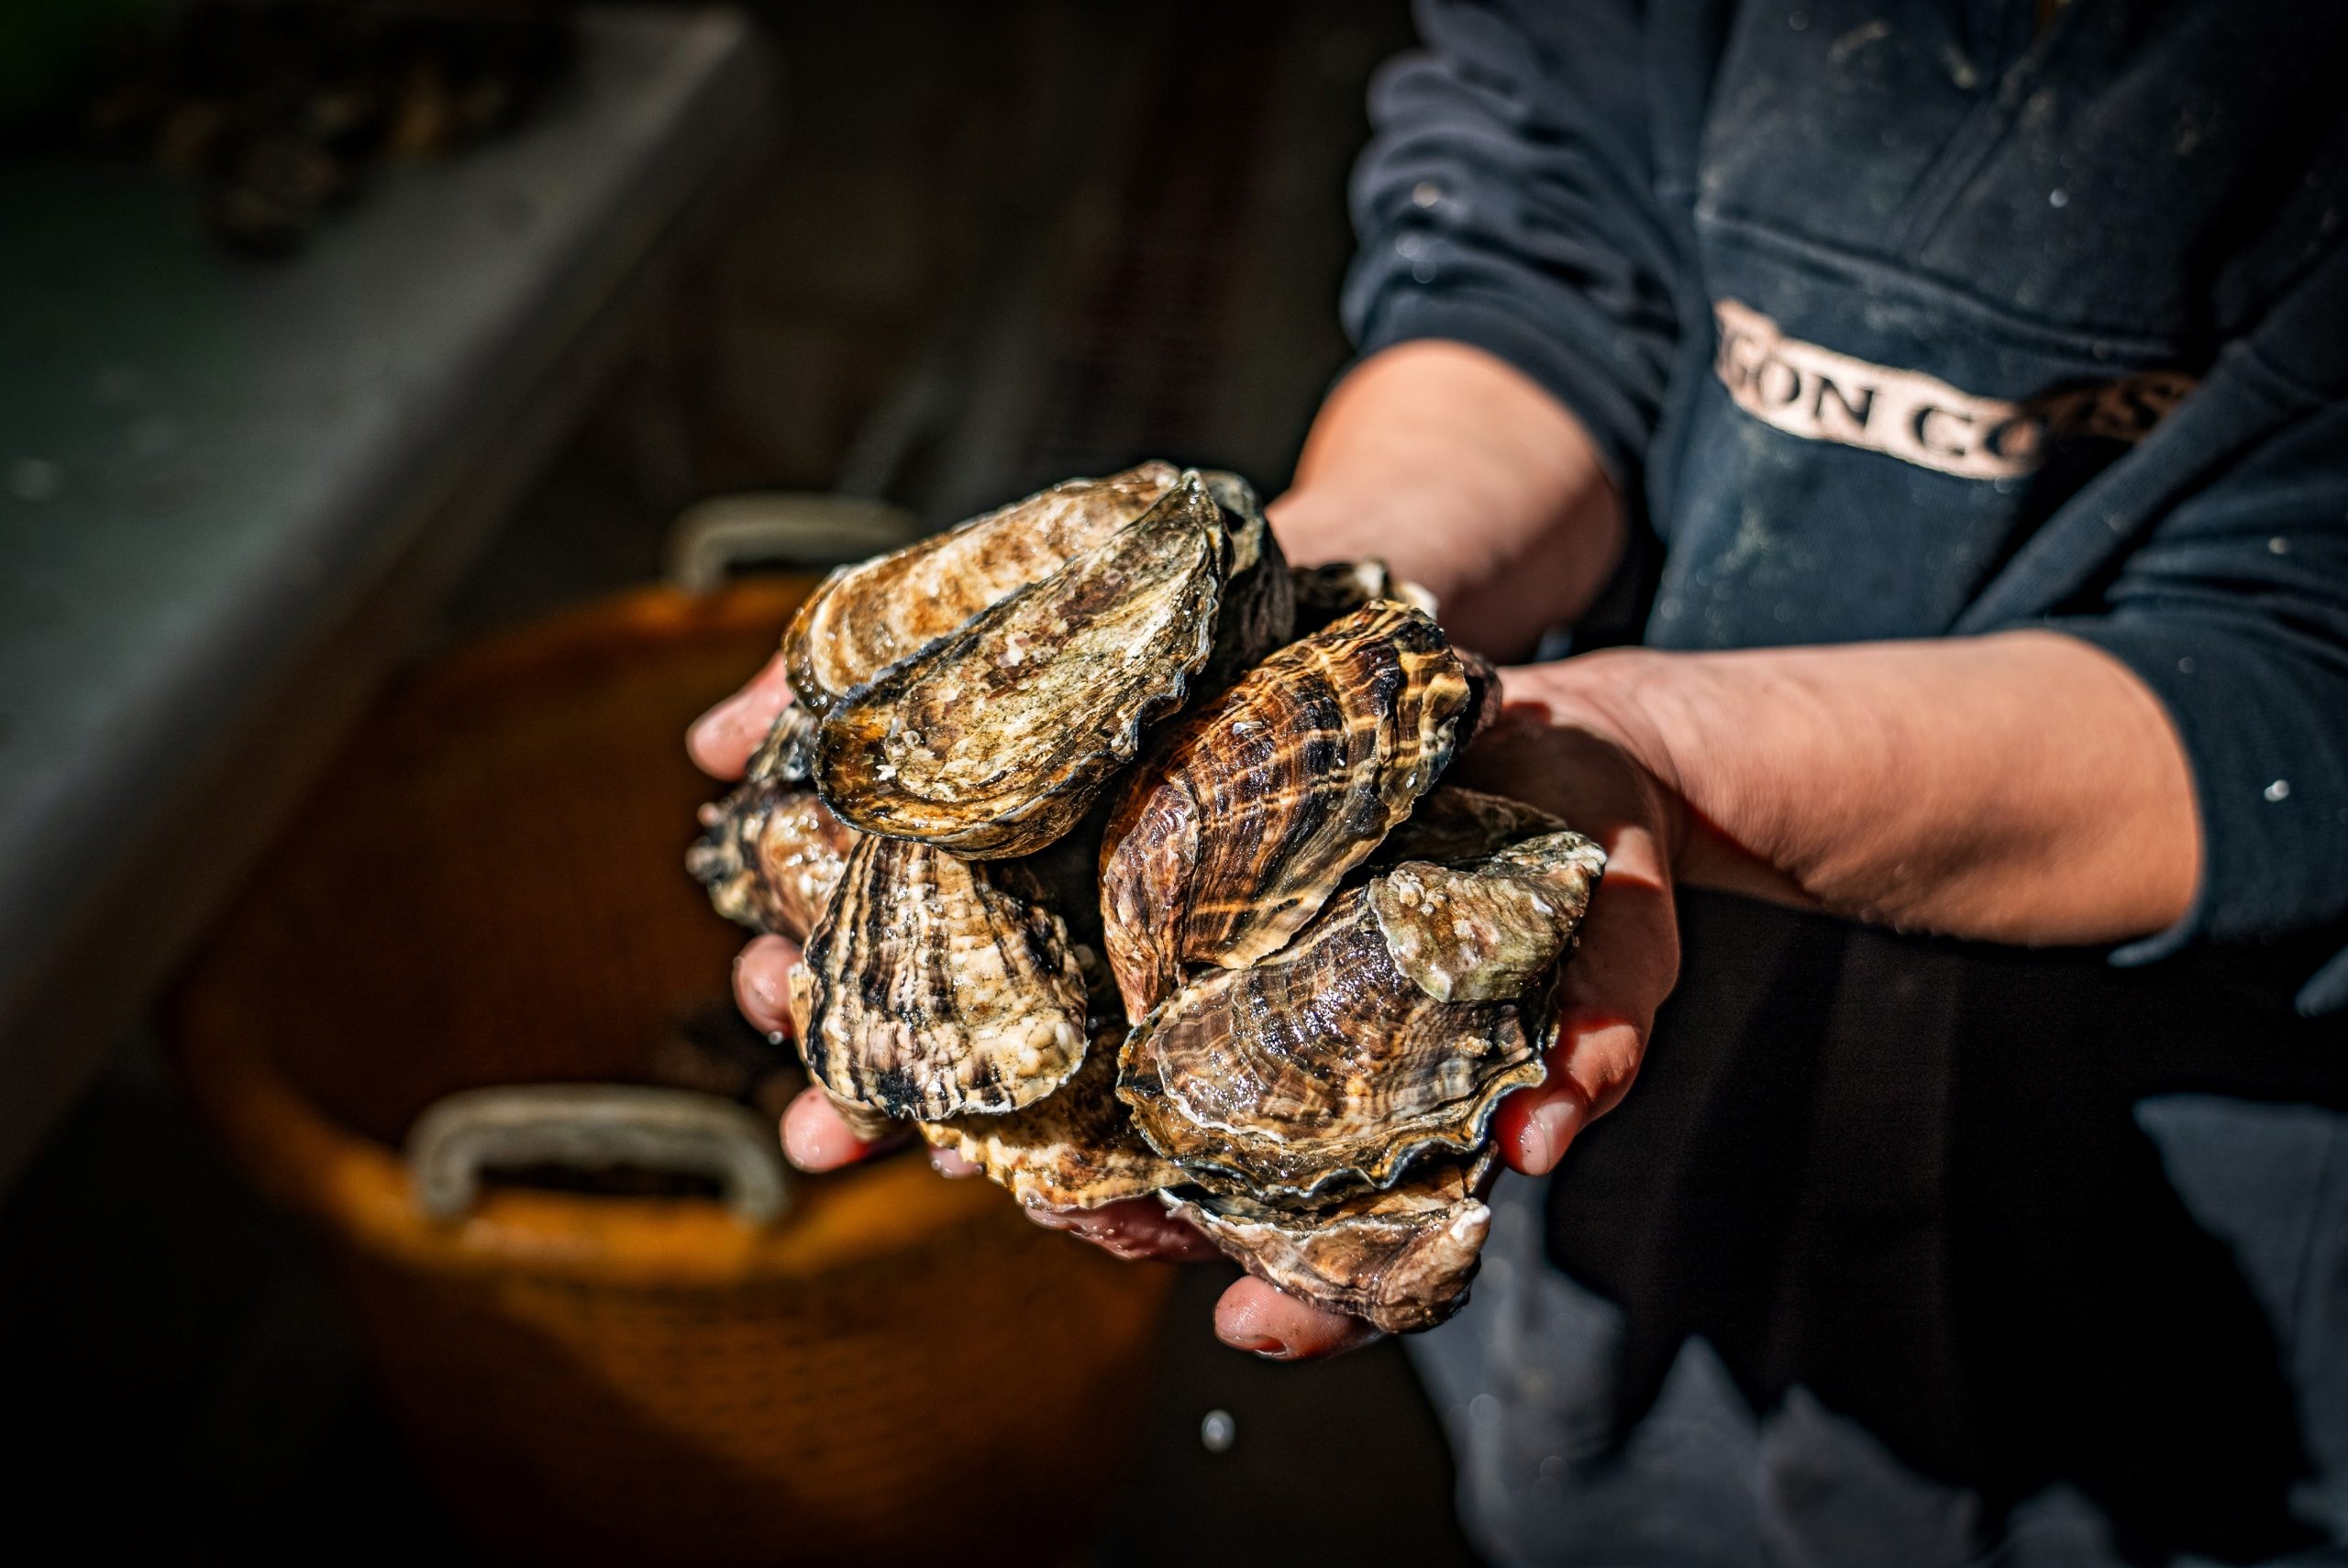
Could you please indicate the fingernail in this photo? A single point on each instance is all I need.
(1546, 1132)
(712, 727)
(771, 1003)
(1263, 1345)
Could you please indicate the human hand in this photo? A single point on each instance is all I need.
(1573, 740)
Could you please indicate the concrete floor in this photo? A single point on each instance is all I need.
(999, 245)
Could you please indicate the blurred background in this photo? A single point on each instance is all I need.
(343, 345)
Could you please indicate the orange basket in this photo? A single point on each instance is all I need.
(488, 890)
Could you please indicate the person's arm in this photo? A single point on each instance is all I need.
(1516, 299)
(1465, 477)
(2024, 787)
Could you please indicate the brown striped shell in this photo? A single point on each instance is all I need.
(1391, 1026)
(864, 618)
(995, 741)
(936, 987)
(1400, 1256)
(1249, 814)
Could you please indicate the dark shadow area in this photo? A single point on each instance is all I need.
(1908, 1175)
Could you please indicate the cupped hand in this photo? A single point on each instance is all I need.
(1574, 744)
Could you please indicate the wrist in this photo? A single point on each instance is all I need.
(1663, 711)
(1622, 694)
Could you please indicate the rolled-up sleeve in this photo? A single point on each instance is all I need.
(1507, 201)
(2234, 611)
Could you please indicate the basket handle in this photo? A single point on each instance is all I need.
(592, 1127)
(712, 539)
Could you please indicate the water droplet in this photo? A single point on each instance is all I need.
(2185, 665)
(1425, 193)
(1218, 1431)
(2058, 197)
(2278, 790)
(2278, 546)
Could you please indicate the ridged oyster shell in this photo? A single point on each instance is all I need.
(936, 986)
(1391, 1026)
(1339, 588)
(864, 618)
(771, 858)
(1077, 1148)
(1401, 1257)
(1247, 816)
(1453, 824)
(995, 740)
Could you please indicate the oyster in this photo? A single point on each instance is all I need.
(1077, 1148)
(864, 618)
(788, 753)
(936, 985)
(1247, 816)
(1391, 1025)
(771, 858)
(995, 741)
(1401, 1257)
(1453, 823)
(1259, 612)
(1339, 588)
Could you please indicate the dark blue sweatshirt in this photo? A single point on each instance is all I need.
(1919, 319)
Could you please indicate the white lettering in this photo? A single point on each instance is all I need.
(1820, 395)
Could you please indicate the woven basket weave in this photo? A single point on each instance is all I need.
(488, 890)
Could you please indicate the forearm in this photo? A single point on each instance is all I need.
(1465, 477)
(2021, 787)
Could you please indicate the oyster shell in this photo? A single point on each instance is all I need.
(1339, 588)
(788, 753)
(864, 618)
(1401, 1257)
(936, 985)
(771, 858)
(995, 741)
(1077, 1148)
(1452, 822)
(1258, 611)
(1391, 1025)
(1249, 813)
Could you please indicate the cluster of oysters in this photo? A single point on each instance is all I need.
(1118, 854)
